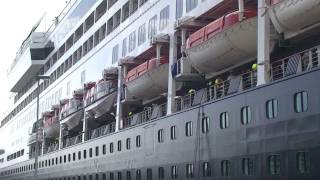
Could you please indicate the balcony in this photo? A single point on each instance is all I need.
(29, 61)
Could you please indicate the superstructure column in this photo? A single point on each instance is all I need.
(263, 56)
(60, 136)
(84, 127)
(119, 93)
(171, 81)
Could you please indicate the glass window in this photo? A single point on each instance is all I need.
(79, 155)
(142, 2)
(301, 102)
(119, 176)
(160, 136)
(104, 149)
(138, 141)
(224, 120)
(189, 129)
(164, 17)
(149, 174)
(90, 152)
(111, 176)
(191, 4)
(190, 171)
(125, 11)
(115, 52)
(303, 162)
(128, 143)
(272, 108)
(173, 132)
(205, 124)
(138, 174)
(225, 168)
(161, 173)
(84, 154)
(97, 150)
(132, 41)
(142, 34)
(206, 169)
(247, 166)
(124, 47)
(274, 164)
(179, 9)
(128, 176)
(119, 145)
(174, 172)
(152, 29)
(246, 115)
(111, 147)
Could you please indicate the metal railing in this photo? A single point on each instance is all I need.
(72, 140)
(100, 131)
(299, 62)
(52, 147)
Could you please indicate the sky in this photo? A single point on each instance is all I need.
(17, 18)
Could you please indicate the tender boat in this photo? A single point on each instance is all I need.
(51, 124)
(291, 17)
(224, 42)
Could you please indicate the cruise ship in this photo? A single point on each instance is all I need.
(167, 89)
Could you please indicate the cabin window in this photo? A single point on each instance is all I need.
(164, 17)
(174, 172)
(272, 108)
(119, 145)
(78, 34)
(61, 51)
(117, 19)
(191, 4)
(179, 8)
(110, 25)
(161, 173)
(60, 161)
(104, 149)
(224, 120)
(205, 124)
(303, 162)
(111, 148)
(90, 43)
(102, 32)
(90, 177)
(111, 175)
(301, 102)
(128, 176)
(69, 43)
(247, 166)
(69, 157)
(225, 168)
(160, 136)
(128, 143)
(173, 132)
(64, 158)
(274, 163)
(206, 169)
(132, 41)
(124, 47)
(73, 156)
(141, 34)
(142, 2)
(111, 3)
(189, 129)
(138, 174)
(84, 154)
(79, 155)
(89, 22)
(246, 115)
(134, 4)
(90, 152)
(96, 38)
(97, 150)
(104, 176)
(152, 28)
(125, 11)
(149, 174)
(115, 52)
(101, 9)
(138, 141)
(189, 171)
(119, 176)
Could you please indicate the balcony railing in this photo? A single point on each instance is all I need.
(103, 130)
(72, 140)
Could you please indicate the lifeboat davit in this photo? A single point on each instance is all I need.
(291, 16)
(50, 124)
(71, 112)
(225, 42)
(147, 80)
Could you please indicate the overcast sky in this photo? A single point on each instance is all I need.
(17, 18)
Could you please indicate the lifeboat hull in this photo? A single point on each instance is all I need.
(230, 47)
(291, 16)
(149, 85)
(52, 130)
(73, 119)
(102, 105)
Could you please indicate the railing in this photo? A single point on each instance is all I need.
(103, 130)
(72, 141)
(299, 62)
(52, 147)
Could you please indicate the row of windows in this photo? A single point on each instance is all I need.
(15, 155)
(87, 46)
(247, 168)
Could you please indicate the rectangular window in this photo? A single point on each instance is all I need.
(89, 22)
(101, 10)
(119, 145)
(303, 162)
(138, 141)
(189, 129)
(174, 172)
(164, 18)
(173, 132)
(79, 155)
(128, 143)
(142, 2)
(191, 4)
(301, 102)
(97, 150)
(160, 136)
(125, 11)
(132, 41)
(134, 6)
(224, 120)
(245, 115)
(124, 47)
(272, 108)
(152, 28)
(111, 147)
(179, 9)
(205, 124)
(104, 149)
(111, 175)
(111, 3)
(115, 52)
(274, 164)
(119, 176)
(117, 19)
(128, 176)
(189, 171)
(206, 169)
(141, 34)
(225, 168)
(247, 166)
(138, 174)
(149, 174)
(84, 154)
(90, 152)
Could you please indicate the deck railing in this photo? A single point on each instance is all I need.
(100, 131)
(72, 141)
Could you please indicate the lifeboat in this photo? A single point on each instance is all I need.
(224, 42)
(51, 124)
(147, 80)
(103, 95)
(291, 16)
(71, 112)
